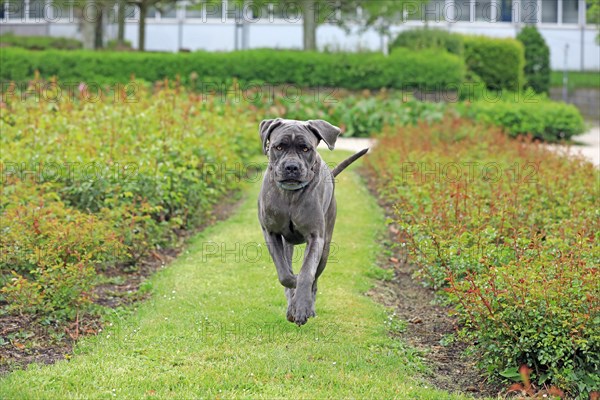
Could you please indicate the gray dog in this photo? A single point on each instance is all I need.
(297, 205)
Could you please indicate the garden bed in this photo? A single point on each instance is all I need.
(507, 233)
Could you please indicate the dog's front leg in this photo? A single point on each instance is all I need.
(302, 304)
(282, 264)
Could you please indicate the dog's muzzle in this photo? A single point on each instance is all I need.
(291, 185)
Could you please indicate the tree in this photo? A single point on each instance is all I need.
(537, 59)
(380, 14)
(121, 22)
(143, 6)
(593, 15)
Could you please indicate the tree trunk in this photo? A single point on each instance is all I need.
(88, 22)
(142, 27)
(309, 24)
(121, 23)
(99, 30)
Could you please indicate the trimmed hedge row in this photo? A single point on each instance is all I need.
(39, 42)
(426, 70)
(499, 63)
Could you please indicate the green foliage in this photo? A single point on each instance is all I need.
(498, 62)
(576, 79)
(203, 71)
(527, 114)
(537, 59)
(510, 230)
(107, 183)
(51, 251)
(359, 115)
(593, 15)
(39, 42)
(420, 39)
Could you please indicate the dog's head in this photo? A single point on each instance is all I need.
(292, 148)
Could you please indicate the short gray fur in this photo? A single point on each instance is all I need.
(297, 205)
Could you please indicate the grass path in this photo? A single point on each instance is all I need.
(215, 326)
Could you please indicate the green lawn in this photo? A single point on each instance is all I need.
(215, 325)
(577, 79)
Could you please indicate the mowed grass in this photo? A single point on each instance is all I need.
(215, 325)
(576, 79)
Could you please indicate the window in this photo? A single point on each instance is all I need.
(570, 11)
(151, 13)
(169, 11)
(529, 11)
(550, 11)
(36, 9)
(16, 9)
(433, 11)
(484, 10)
(462, 10)
(504, 10)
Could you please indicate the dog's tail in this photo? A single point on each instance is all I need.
(342, 166)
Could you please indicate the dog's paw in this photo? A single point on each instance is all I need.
(302, 312)
(290, 315)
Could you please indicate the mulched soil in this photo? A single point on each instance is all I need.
(26, 339)
(428, 323)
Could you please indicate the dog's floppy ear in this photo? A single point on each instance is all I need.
(265, 129)
(324, 131)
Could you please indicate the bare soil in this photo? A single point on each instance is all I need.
(429, 325)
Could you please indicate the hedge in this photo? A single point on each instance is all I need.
(39, 42)
(542, 119)
(428, 69)
(419, 39)
(499, 63)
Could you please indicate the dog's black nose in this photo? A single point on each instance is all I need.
(292, 167)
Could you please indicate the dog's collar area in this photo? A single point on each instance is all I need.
(292, 186)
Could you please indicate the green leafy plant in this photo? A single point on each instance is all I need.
(537, 59)
(419, 39)
(40, 42)
(522, 114)
(105, 183)
(498, 62)
(507, 231)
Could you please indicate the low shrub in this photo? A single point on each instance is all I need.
(498, 62)
(51, 251)
(104, 183)
(522, 114)
(507, 230)
(420, 39)
(360, 115)
(39, 42)
(537, 59)
(203, 71)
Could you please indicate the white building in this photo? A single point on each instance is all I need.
(226, 27)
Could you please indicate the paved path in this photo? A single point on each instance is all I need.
(590, 145)
(351, 144)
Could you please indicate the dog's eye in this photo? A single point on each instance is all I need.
(279, 148)
(305, 149)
